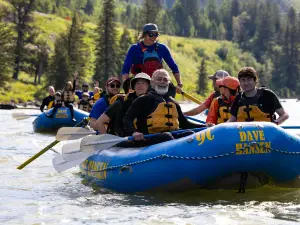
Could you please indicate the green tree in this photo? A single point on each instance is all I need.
(106, 46)
(124, 44)
(202, 78)
(75, 46)
(6, 52)
(59, 69)
(22, 12)
(150, 11)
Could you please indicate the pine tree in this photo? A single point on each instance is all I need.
(22, 12)
(124, 44)
(6, 52)
(106, 48)
(202, 78)
(150, 11)
(75, 46)
(59, 69)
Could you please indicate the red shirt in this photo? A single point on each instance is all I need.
(209, 100)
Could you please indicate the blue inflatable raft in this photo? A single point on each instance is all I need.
(212, 158)
(62, 118)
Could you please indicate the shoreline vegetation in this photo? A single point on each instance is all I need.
(187, 52)
(52, 39)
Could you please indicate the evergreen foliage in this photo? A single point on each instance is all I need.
(106, 47)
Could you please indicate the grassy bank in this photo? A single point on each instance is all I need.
(187, 52)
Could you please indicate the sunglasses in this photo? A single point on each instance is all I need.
(114, 85)
(153, 34)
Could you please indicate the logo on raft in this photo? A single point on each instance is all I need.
(92, 168)
(61, 114)
(251, 142)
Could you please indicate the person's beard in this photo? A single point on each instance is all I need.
(161, 90)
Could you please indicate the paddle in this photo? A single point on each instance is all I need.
(22, 116)
(72, 133)
(41, 152)
(191, 98)
(73, 155)
(196, 120)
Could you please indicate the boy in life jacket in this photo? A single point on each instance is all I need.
(219, 109)
(146, 56)
(56, 104)
(255, 104)
(220, 74)
(155, 112)
(49, 100)
(84, 104)
(115, 113)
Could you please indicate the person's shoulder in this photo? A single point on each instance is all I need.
(267, 92)
(135, 46)
(161, 46)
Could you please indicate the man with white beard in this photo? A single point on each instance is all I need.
(156, 112)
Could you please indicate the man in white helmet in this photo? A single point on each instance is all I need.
(220, 74)
(113, 116)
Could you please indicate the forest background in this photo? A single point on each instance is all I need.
(42, 42)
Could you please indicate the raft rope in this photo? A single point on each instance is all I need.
(165, 156)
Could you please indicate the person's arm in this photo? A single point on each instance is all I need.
(199, 109)
(43, 105)
(234, 109)
(98, 108)
(166, 55)
(128, 62)
(212, 117)
(100, 123)
(283, 116)
(277, 107)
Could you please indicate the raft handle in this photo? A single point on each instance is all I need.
(124, 168)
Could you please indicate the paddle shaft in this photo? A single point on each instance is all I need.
(41, 152)
(37, 155)
(194, 119)
(191, 98)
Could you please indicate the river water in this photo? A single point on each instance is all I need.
(39, 195)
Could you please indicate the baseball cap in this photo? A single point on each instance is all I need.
(85, 84)
(150, 27)
(112, 79)
(219, 75)
(229, 82)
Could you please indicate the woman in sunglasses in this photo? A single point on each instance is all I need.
(146, 56)
(112, 86)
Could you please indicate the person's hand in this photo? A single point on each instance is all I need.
(137, 136)
(96, 83)
(210, 124)
(179, 88)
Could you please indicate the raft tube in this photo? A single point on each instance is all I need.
(212, 158)
(62, 118)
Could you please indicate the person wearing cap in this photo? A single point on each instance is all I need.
(255, 104)
(147, 55)
(155, 112)
(84, 104)
(112, 86)
(219, 109)
(220, 74)
(84, 88)
(49, 100)
(114, 115)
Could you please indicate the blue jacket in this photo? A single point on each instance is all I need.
(135, 55)
(99, 107)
